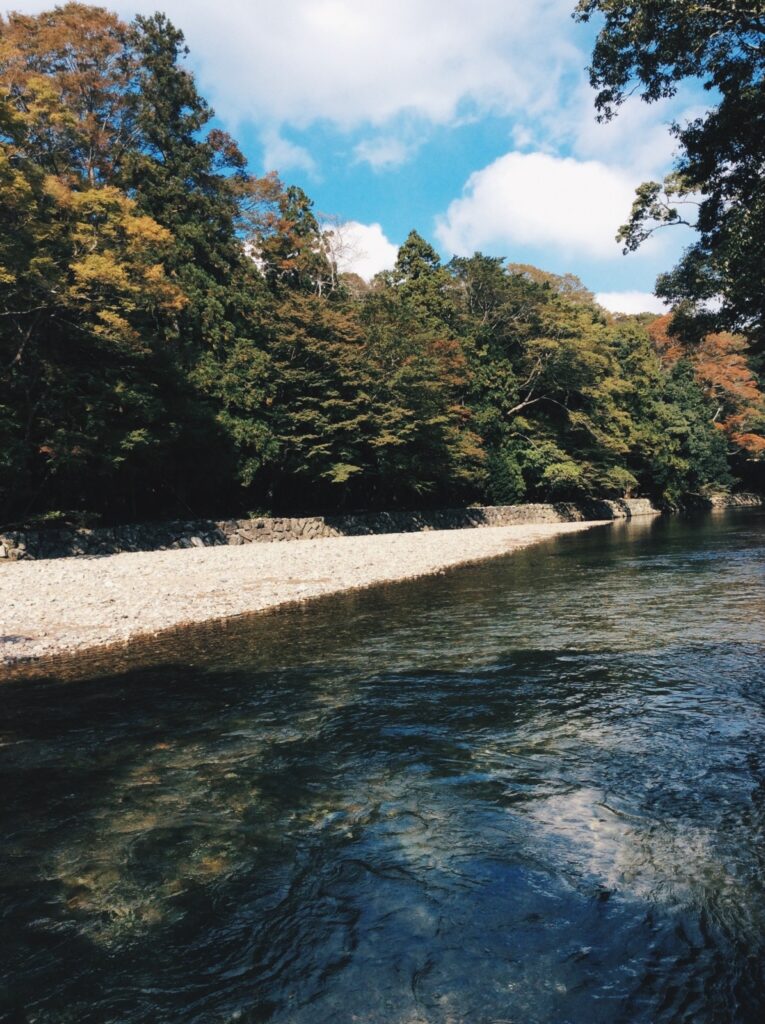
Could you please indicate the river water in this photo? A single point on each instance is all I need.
(528, 791)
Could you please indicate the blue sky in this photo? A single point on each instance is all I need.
(469, 120)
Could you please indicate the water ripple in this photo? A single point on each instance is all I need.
(530, 791)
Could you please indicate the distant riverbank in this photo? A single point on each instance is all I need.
(67, 542)
(70, 605)
(22, 544)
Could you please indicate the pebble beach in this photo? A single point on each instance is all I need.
(69, 605)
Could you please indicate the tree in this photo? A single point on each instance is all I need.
(107, 117)
(81, 284)
(546, 387)
(650, 48)
(425, 445)
(322, 412)
(722, 370)
(71, 76)
(293, 251)
(416, 258)
(422, 285)
(428, 446)
(193, 180)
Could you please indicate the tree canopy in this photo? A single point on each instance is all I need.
(717, 186)
(176, 338)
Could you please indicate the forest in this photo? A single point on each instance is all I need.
(176, 338)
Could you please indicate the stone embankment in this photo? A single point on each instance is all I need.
(35, 544)
(734, 501)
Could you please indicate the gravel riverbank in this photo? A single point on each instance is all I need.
(63, 606)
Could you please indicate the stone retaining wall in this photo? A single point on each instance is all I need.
(735, 501)
(62, 543)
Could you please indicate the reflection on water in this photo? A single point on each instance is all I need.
(529, 791)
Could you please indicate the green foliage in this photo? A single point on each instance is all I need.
(175, 337)
(718, 184)
(505, 484)
(320, 416)
(416, 259)
(566, 479)
(694, 451)
(292, 248)
(426, 446)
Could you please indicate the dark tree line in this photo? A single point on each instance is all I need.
(175, 336)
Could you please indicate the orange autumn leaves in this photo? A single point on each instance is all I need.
(721, 366)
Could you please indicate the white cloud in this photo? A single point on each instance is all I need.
(382, 153)
(639, 138)
(364, 249)
(279, 154)
(631, 302)
(385, 67)
(366, 63)
(535, 199)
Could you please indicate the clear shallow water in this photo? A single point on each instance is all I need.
(529, 791)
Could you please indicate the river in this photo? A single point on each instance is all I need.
(529, 791)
